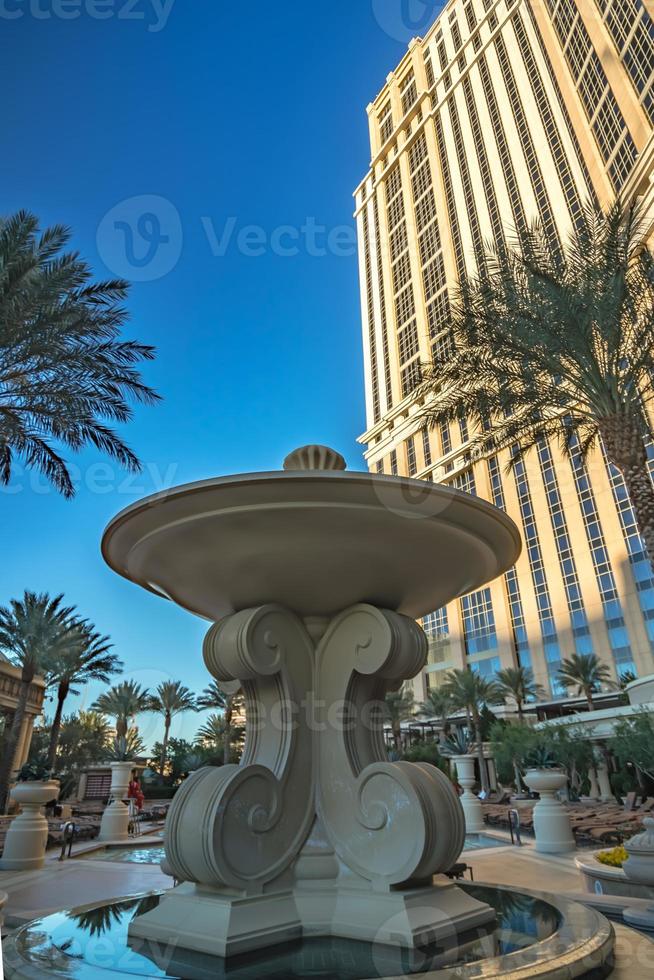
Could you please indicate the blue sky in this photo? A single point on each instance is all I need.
(193, 147)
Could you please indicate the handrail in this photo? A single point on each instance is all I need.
(133, 827)
(517, 839)
(70, 829)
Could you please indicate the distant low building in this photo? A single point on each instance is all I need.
(9, 691)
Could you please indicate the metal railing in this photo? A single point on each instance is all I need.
(134, 826)
(70, 829)
(514, 827)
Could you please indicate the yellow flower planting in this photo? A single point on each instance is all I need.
(616, 857)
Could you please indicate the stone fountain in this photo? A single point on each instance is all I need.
(312, 579)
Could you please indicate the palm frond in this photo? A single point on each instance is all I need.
(65, 371)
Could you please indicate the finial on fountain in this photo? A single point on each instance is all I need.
(314, 458)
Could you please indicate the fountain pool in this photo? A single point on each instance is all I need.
(315, 856)
(155, 853)
(532, 935)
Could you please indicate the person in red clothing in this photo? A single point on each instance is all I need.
(134, 792)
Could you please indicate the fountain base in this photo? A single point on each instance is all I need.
(220, 924)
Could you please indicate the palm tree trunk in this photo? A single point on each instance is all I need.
(589, 698)
(521, 716)
(11, 741)
(641, 492)
(229, 710)
(483, 774)
(62, 694)
(164, 746)
(625, 448)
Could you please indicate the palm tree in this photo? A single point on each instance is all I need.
(126, 748)
(65, 374)
(558, 343)
(84, 658)
(587, 673)
(470, 691)
(518, 683)
(123, 702)
(85, 739)
(33, 631)
(215, 696)
(213, 733)
(171, 698)
(399, 707)
(439, 704)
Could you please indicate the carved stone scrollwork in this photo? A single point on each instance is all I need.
(242, 826)
(389, 822)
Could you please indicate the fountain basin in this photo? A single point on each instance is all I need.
(316, 543)
(535, 935)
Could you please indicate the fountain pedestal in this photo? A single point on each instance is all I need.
(114, 825)
(315, 832)
(27, 836)
(472, 808)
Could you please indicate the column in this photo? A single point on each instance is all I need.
(24, 742)
(594, 791)
(605, 791)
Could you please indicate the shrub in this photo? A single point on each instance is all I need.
(426, 752)
(510, 743)
(541, 755)
(633, 742)
(158, 792)
(518, 747)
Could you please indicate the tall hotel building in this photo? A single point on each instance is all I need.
(507, 110)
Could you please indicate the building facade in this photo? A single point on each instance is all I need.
(506, 111)
(10, 684)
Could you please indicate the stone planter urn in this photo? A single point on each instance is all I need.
(115, 819)
(27, 836)
(472, 808)
(551, 822)
(640, 867)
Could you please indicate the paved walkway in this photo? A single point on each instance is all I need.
(71, 883)
(524, 867)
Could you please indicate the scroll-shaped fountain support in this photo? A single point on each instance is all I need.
(315, 832)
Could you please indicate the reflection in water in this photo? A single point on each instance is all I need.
(154, 853)
(99, 920)
(94, 945)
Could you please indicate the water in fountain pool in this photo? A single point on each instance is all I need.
(93, 945)
(154, 853)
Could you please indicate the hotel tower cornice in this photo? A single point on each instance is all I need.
(506, 111)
